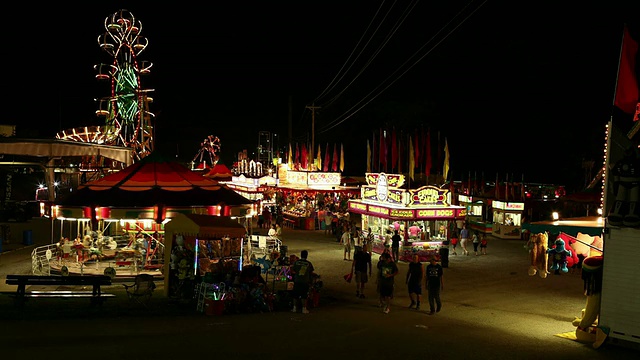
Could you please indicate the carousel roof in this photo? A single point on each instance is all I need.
(151, 181)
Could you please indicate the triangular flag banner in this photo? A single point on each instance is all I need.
(341, 157)
(334, 166)
(412, 164)
(319, 156)
(368, 157)
(394, 149)
(327, 159)
(297, 158)
(290, 158)
(445, 169)
(627, 93)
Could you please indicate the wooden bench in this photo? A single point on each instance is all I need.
(95, 281)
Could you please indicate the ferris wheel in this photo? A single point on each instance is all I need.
(208, 147)
(128, 121)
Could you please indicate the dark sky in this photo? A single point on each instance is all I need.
(523, 89)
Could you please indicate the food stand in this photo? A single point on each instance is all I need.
(507, 219)
(422, 216)
(302, 192)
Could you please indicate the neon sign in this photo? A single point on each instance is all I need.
(429, 195)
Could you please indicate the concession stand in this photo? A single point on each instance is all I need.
(507, 219)
(477, 209)
(303, 194)
(423, 216)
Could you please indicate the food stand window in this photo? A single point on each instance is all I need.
(507, 219)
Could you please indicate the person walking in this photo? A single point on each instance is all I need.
(464, 238)
(369, 240)
(302, 271)
(475, 239)
(361, 264)
(345, 239)
(483, 244)
(454, 242)
(327, 222)
(435, 283)
(414, 281)
(395, 245)
(388, 271)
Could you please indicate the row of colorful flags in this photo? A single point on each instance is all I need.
(400, 151)
(305, 159)
(627, 96)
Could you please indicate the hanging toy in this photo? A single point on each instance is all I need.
(559, 256)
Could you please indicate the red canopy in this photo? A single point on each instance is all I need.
(220, 173)
(152, 181)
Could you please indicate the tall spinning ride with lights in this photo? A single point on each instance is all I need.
(128, 121)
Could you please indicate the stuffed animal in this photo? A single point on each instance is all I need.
(537, 246)
(559, 254)
(586, 325)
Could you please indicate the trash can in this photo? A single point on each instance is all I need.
(444, 257)
(214, 307)
(284, 249)
(27, 237)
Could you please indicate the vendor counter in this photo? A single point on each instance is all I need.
(424, 249)
(298, 221)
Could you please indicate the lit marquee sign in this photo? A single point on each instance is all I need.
(297, 177)
(435, 213)
(508, 205)
(357, 207)
(384, 188)
(401, 213)
(324, 178)
(429, 196)
(378, 210)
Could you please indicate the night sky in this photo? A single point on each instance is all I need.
(519, 90)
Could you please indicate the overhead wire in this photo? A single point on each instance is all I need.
(369, 97)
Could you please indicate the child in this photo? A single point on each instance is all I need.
(483, 245)
(454, 242)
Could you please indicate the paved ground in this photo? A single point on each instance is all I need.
(491, 310)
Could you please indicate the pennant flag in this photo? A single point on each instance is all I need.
(341, 157)
(325, 165)
(368, 157)
(416, 149)
(445, 168)
(297, 160)
(334, 166)
(429, 163)
(304, 156)
(394, 149)
(374, 151)
(400, 154)
(627, 93)
(319, 159)
(290, 158)
(412, 163)
(383, 149)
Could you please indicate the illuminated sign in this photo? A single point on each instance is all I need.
(357, 206)
(392, 180)
(382, 188)
(465, 198)
(435, 213)
(429, 195)
(324, 178)
(378, 210)
(399, 213)
(507, 205)
(395, 196)
(297, 177)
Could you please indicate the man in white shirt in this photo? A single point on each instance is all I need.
(346, 242)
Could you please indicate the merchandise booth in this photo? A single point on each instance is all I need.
(200, 244)
(475, 208)
(507, 219)
(306, 193)
(423, 216)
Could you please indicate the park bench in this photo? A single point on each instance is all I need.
(95, 281)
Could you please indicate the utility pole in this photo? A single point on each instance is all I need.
(313, 127)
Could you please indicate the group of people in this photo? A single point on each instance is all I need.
(432, 275)
(478, 241)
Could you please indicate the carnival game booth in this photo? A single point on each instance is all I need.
(132, 205)
(507, 219)
(305, 193)
(201, 245)
(256, 188)
(423, 216)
